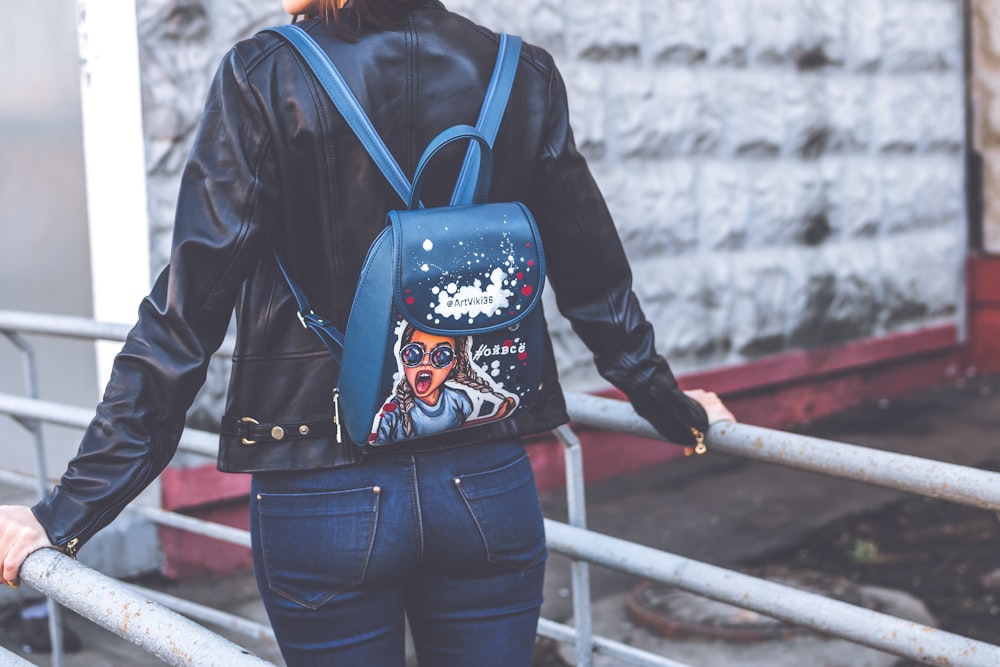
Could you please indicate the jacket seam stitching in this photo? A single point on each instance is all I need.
(246, 215)
(574, 217)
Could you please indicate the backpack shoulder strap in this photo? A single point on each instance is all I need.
(490, 116)
(347, 104)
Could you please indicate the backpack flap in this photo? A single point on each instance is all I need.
(466, 269)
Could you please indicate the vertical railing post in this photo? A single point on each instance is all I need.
(33, 425)
(580, 569)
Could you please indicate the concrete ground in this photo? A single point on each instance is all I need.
(714, 508)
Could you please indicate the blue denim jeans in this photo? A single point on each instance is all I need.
(451, 539)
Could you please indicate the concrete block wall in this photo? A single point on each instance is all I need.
(785, 174)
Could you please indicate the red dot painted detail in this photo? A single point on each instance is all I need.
(389, 407)
(520, 275)
(527, 245)
(531, 262)
(526, 290)
(409, 300)
(508, 343)
(522, 356)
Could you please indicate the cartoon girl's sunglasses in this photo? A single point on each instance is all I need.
(411, 355)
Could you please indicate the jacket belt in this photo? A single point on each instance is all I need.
(252, 431)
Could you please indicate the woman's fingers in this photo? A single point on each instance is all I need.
(714, 407)
(20, 535)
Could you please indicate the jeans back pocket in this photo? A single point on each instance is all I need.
(504, 504)
(316, 545)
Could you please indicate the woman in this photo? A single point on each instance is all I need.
(445, 530)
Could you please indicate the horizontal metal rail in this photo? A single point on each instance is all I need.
(68, 326)
(936, 479)
(159, 516)
(863, 626)
(192, 441)
(167, 635)
(190, 524)
(9, 659)
(604, 646)
(898, 471)
(63, 326)
(880, 631)
(206, 614)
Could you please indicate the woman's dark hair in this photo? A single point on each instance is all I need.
(369, 14)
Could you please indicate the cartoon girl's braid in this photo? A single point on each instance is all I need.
(404, 392)
(404, 402)
(463, 374)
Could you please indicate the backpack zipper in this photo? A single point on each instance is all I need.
(336, 411)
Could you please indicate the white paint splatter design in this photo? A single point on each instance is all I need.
(472, 300)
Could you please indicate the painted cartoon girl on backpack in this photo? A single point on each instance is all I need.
(440, 389)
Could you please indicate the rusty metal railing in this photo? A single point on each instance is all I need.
(880, 631)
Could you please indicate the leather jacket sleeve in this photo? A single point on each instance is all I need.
(592, 281)
(218, 237)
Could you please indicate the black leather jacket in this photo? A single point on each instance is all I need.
(274, 164)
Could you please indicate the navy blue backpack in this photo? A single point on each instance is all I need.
(445, 331)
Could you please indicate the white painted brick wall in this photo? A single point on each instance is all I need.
(784, 173)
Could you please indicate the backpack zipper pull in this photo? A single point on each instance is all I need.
(336, 411)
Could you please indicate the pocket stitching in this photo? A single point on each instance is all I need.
(490, 556)
(356, 581)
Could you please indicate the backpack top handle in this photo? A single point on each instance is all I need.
(485, 162)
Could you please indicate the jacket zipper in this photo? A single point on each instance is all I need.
(699, 443)
(72, 546)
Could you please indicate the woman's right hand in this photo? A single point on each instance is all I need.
(713, 405)
(20, 535)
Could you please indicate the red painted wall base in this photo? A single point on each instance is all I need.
(984, 312)
(206, 493)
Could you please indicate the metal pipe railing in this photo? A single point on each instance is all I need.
(192, 441)
(8, 659)
(216, 531)
(898, 471)
(54, 613)
(81, 328)
(604, 646)
(579, 569)
(167, 635)
(936, 479)
(158, 516)
(200, 612)
(870, 628)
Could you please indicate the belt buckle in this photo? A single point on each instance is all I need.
(245, 440)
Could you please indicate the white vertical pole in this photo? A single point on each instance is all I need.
(114, 159)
